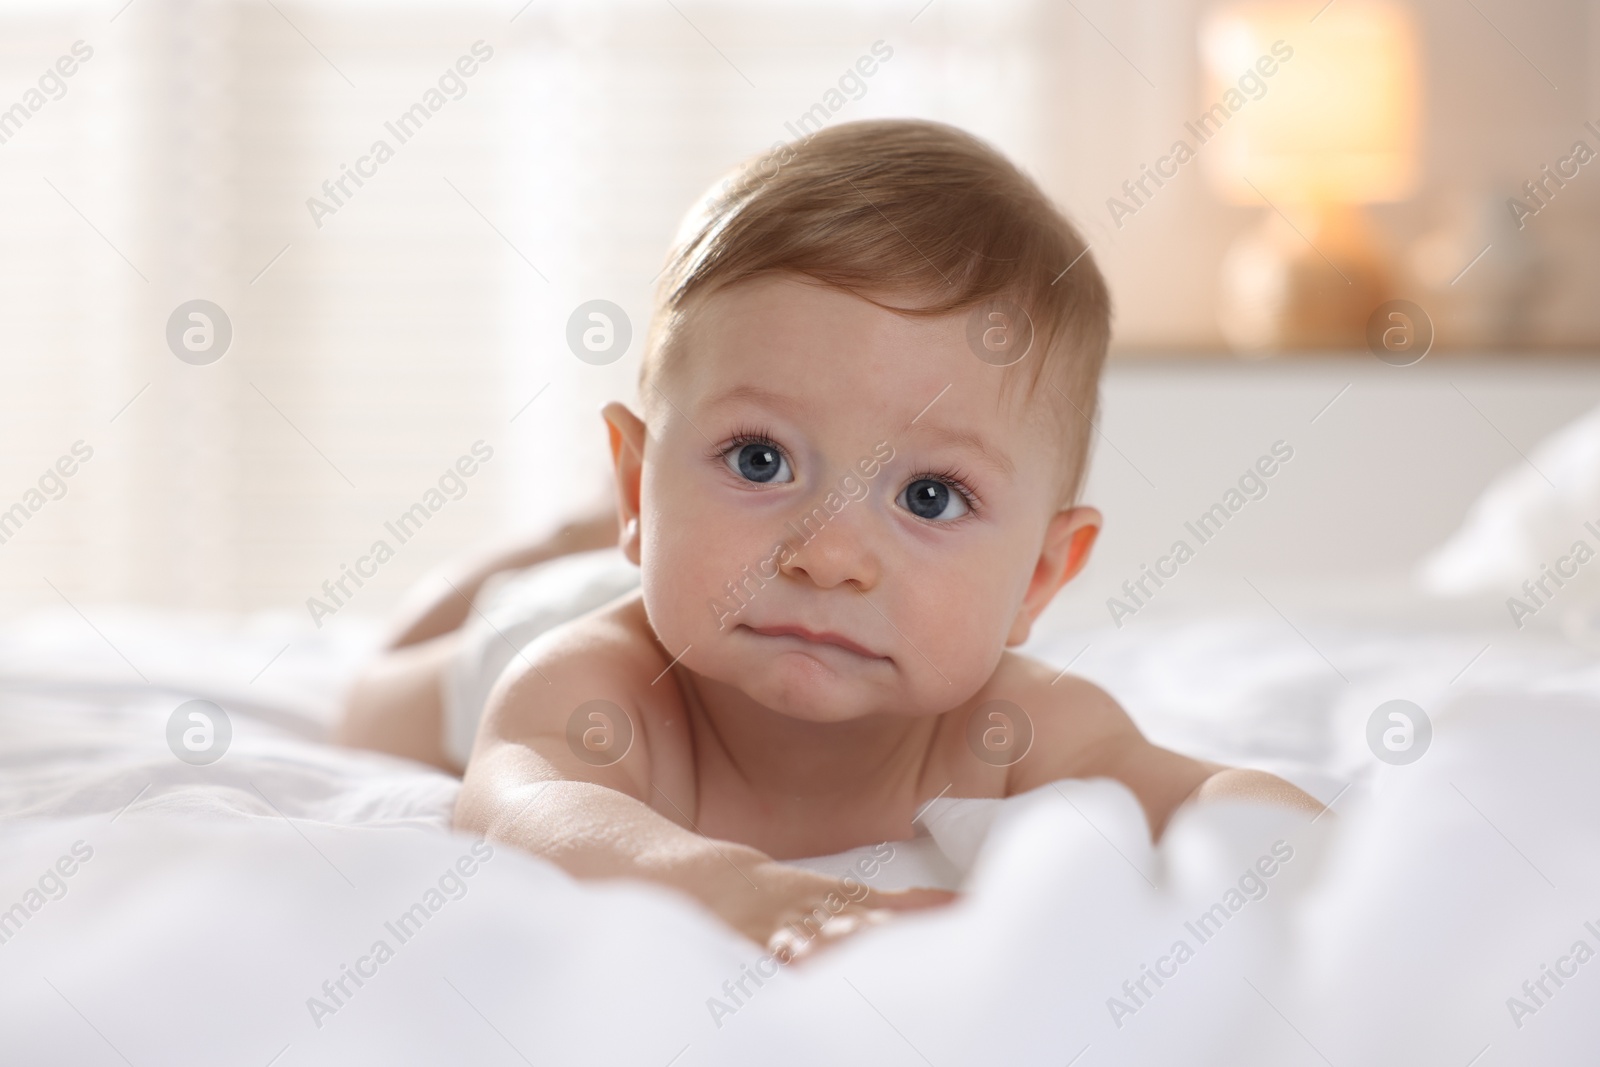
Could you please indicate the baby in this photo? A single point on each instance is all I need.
(850, 488)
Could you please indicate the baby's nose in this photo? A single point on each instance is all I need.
(835, 552)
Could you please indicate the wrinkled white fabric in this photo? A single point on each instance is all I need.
(218, 900)
(1529, 522)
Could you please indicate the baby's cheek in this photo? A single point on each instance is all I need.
(961, 626)
(678, 589)
(690, 554)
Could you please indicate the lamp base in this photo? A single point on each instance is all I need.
(1287, 289)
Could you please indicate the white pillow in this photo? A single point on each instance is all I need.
(1538, 519)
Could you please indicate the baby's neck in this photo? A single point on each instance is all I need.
(778, 757)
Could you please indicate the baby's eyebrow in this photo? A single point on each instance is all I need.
(755, 393)
(970, 440)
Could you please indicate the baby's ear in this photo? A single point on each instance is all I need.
(1068, 540)
(627, 432)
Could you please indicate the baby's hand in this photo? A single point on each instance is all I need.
(795, 913)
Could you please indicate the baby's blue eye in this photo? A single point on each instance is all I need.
(759, 462)
(927, 498)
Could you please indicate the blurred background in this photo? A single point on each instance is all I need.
(378, 331)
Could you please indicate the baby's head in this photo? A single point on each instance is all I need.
(867, 401)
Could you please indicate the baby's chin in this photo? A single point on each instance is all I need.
(815, 688)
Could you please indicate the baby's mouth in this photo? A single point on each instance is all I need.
(817, 637)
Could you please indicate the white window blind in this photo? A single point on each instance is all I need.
(371, 352)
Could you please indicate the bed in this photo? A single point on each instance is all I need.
(223, 903)
(293, 902)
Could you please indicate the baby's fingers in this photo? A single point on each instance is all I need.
(910, 899)
(789, 945)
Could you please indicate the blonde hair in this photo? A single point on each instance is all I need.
(910, 207)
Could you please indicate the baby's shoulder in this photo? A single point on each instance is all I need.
(1078, 731)
(609, 654)
(1073, 728)
(581, 699)
(617, 633)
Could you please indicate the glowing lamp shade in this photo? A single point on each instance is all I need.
(1336, 123)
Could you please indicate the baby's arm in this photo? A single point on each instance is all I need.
(525, 786)
(1240, 783)
(1081, 732)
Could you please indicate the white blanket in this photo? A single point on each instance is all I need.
(211, 912)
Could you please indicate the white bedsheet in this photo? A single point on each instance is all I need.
(219, 899)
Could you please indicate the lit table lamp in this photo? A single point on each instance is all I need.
(1333, 127)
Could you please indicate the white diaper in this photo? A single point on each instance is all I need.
(512, 609)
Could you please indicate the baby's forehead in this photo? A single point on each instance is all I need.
(818, 354)
(756, 309)
(819, 339)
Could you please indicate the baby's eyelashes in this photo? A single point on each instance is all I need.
(759, 461)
